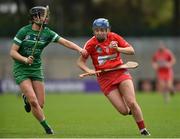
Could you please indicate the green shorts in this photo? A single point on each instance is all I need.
(21, 78)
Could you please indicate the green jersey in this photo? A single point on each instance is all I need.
(26, 39)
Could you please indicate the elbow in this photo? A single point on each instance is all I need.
(132, 52)
(78, 63)
(11, 53)
(174, 62)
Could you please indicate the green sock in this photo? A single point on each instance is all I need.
(45, 124)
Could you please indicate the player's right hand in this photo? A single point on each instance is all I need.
(29, 60)
(90, 72)
(83, 52)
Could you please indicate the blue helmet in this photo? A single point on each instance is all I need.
(101, 23)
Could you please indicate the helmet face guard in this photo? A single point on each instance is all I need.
(36, 14)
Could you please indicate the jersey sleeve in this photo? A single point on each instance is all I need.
(19, 37)
(170, 55)
(122, 43)
(88, 48)
(54, 36)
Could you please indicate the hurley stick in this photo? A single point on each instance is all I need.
(128, 65)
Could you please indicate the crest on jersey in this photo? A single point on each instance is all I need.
(98, 49)
(27, 37)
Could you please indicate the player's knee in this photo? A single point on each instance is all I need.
(41, 105)
(33, 103)
(123, 112)
(132, 104)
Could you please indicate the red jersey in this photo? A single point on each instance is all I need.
(102, 55)
(161, 58)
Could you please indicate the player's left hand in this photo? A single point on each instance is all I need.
(114, 45)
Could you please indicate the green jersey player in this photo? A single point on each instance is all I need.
(27, 68)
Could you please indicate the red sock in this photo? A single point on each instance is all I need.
(141, 125)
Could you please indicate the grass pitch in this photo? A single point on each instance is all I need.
(89, 116)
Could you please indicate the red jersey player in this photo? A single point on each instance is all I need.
(105, 48)
(163, 61)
